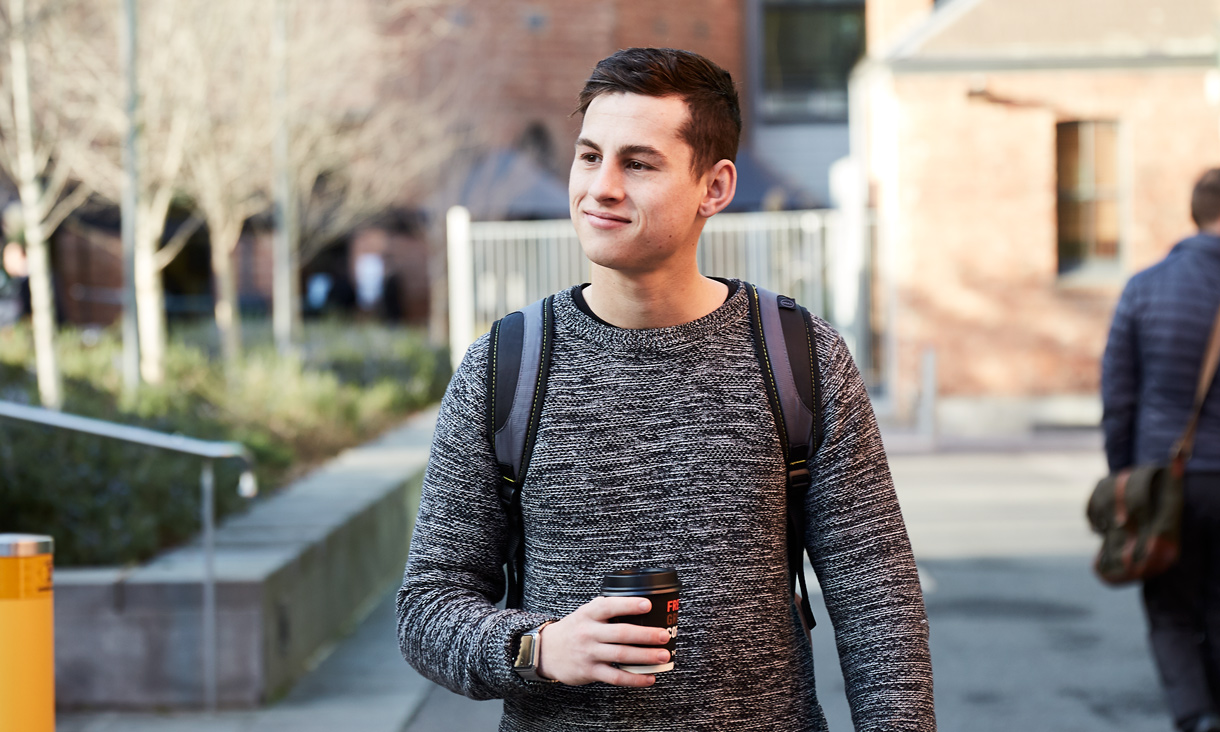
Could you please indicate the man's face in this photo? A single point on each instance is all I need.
(633, 198)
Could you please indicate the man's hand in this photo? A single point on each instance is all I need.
(580, 648)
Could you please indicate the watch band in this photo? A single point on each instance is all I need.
(528, 649)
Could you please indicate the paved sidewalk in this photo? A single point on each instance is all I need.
(1023, 637)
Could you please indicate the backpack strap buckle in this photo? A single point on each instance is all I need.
(799, 477)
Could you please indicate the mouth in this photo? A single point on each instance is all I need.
(603, 220)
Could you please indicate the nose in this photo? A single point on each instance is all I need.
(607, 184)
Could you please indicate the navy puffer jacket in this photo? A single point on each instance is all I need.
(1153, 356)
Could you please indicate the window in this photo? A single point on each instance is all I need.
(1087, 162)
(809, 49)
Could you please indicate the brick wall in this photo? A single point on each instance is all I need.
(545, 50)
(713, 28)
(88, 266)
(972, 230)
(406, 269)
(254, 262)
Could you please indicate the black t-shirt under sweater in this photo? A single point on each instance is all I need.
(578, 297)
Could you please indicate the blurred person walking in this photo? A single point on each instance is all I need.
(1150, 370)
(14, 284)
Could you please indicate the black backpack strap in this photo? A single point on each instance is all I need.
(784, 344)
(521, 345)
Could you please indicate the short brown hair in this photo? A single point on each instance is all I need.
(1205, 199)
(713, 128)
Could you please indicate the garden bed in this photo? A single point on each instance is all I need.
(113, 503)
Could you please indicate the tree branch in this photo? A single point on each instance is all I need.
(65, 207)
(178, 241)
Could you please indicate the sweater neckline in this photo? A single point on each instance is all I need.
(570, 318)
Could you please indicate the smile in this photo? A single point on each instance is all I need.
(600, 220)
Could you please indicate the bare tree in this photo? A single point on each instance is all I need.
(38, 142)
(370, 124)
(359, 143)
(358, 153)
(385, 159)
(369, 127)
(229, 148)
(355, 147)
(166, 112)
(202, 142)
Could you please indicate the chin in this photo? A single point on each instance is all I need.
(608, 260)
(619, 261)
(618, 253)
(598, 247)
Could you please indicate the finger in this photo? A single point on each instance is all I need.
(631, 634)
(618, 677)
(633, 655)
(604, 608)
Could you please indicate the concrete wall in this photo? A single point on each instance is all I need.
(294, 573)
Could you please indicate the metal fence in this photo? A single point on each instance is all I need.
(496, 267)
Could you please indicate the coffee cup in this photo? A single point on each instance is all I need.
(660, 586)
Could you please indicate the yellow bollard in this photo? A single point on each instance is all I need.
(27, 628)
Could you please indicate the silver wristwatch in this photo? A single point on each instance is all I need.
(528, 650)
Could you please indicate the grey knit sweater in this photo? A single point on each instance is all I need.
(658, 448)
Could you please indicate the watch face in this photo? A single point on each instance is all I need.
(525, 654)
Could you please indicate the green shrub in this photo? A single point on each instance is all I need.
(109, 502)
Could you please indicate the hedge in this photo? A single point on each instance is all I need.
(107, 502)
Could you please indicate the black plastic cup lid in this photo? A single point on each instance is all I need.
(641, 580)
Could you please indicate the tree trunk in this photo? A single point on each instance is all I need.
(42, 303)
(42, 306)
(286, 294)
(286, 301)
(150, 296)
(224, 236)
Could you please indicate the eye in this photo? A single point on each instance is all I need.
(590, 157)
(637, 165)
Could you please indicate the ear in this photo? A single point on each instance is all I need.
(721, 185)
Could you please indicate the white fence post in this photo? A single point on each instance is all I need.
(461, 283)
(928, 394)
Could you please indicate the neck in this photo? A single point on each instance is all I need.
(1212, 229)
(654, 300)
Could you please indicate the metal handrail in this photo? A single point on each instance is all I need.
(210, 451)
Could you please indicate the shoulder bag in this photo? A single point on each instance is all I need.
(1138, 510)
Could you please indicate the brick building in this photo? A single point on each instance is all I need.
(1022, 159)
(514, 68)
(791, 59)
(533, 57)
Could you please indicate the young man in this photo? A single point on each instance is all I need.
(657, 447)
(1149, 375)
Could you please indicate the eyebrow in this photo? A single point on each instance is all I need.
(626, 150)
